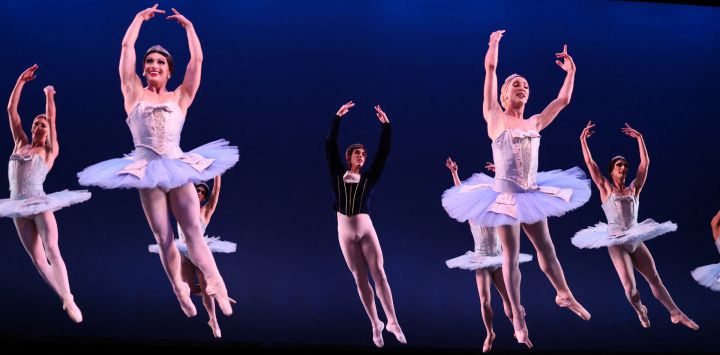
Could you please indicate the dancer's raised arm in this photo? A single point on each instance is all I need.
(491, 107)
(213, 199)
(130, 83)
(546, 117)
(642, 170)
(52, 147)
(191, 82)
(602, 183)
(19, 136)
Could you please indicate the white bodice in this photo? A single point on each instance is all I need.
(26, 174)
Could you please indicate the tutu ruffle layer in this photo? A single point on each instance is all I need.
(559, 192)
(708, 276)
(598, 236)
(470, 261)
(214, 243)
(33, 205)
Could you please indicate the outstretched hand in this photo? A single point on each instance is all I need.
(587, 131)
(150, 12)
(450, 164)
(495, 37)
(184, 22)
(345, 108)
(567, 63)
(631, 131)
(490, 166)
(381, 115)
(49, 90)
(29, 73)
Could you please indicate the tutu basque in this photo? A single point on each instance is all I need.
(557, 192)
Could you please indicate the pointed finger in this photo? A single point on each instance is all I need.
(565, 48)
(175, 11)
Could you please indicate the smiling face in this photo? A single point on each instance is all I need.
(39, 128)
(514, 92)
(156, 69)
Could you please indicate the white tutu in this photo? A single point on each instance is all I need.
(37, 204)
(708, 276)
(472, 200)
(165, 173)
(597, 236)
(214, 243)
(471, 261)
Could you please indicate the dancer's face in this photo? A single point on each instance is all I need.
(39, 128)
(156, 69)
(357, 158)
(620, 168)
(518, 92)
(201, 193)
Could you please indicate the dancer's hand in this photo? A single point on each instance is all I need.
(28, 74)
(631, 131)
(567, 64)
(149, 12)
(184, 22)
(381, 115)
(490, 166)
(451, 165)
(495, 37)
(345, 108)
(49, 90)
(587, 131)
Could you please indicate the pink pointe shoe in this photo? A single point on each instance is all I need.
(377, 334)
(643, 315)
(684, 320)
(213, 323)
(219, 294)
(574, 306)
(395, 329)
(487, 345)
(182, 293)
(72, 309)
(522, 336)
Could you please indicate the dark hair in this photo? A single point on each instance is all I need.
(351, 148)
(611, 166)
(163, 52)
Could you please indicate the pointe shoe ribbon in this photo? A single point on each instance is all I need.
(574, 306)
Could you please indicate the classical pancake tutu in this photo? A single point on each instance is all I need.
(34, 205)
(560, 191)
(165, 173)
(214, 243)
(708, 276)
(597, 236)
(470, 261)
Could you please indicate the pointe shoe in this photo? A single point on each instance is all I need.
(221, 297)
(395, 329)
(186, 304)
(574, 306)
(213, 324)
(523, 337)
(487, 345)
(377, 334)
(72, 309)
(643, 315)
(684, 320)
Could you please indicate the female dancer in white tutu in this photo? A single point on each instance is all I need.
(487, 261)
(709, 275)
(519, 195)
(358, 240)
(623, 235)
(29, 207)
(189, 271)
(158, 168)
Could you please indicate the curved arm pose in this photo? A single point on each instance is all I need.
(518, 196)
(158, 168)
(358, 240)
(487, 261)
(29, 207)
(623, 235)
(709, 275)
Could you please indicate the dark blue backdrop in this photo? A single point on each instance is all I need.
(275, 72)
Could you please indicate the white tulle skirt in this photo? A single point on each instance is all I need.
(214, 243)
(598, 236)
(471, 261)
(33, 205)
(708, 276)
(531, 206)
(165, 173)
